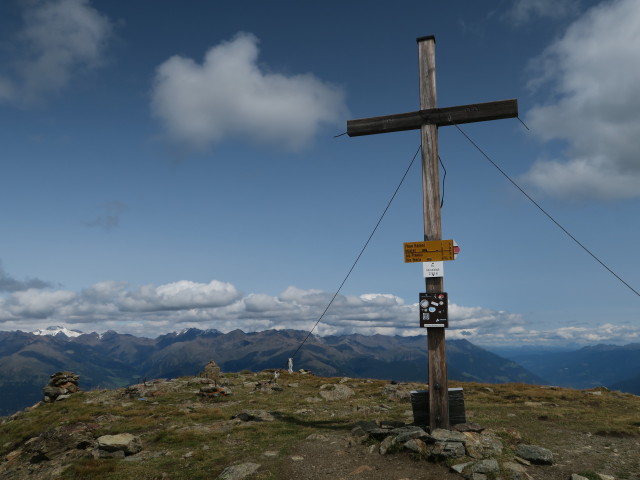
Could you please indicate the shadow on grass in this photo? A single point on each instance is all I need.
(336, 425)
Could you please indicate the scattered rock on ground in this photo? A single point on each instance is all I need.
(535, 454)
(267, 387)
(397, 393)
(240, 471)
(212, 391)
(118, 446)
(331, 392)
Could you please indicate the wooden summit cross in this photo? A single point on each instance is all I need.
(428, 119)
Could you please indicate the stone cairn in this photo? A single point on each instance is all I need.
(211, 374)
(61, 386)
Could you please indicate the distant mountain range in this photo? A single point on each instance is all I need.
(112, 360)
(613, 366)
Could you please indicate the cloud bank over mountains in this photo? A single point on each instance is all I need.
(230, 95)
(594, 86)
(152, 310)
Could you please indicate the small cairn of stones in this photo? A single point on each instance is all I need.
(132, 392)
(211, 373)
(61, 386)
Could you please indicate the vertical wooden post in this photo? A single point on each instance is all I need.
(428, 119)
(438, 387)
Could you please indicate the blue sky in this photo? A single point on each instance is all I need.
(166, 167)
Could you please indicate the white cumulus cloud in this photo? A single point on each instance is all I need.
(58, 38)
(182, 295)
(229, 95)
(34, 303)
(220, 305)
(593, 72)
(153, 310)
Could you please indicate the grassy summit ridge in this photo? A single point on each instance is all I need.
(186, 437)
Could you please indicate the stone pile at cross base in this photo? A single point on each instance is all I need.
(61, 386)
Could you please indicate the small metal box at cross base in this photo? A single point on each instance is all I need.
(420, 406)
(434, 310)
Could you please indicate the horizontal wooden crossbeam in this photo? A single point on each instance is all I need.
(476, 112)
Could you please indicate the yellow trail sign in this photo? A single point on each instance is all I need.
(431, 251)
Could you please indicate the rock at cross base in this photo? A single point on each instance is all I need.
(468, 427)
(486, 466)
(535, 454)
(416, 445)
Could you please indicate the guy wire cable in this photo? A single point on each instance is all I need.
(361, 252)
(544, 211)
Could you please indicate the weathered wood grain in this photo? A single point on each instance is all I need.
(477, 112)
(438, 393)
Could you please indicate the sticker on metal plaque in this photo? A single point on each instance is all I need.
(434, 308)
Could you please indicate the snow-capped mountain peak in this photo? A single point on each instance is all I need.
(55, 330)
